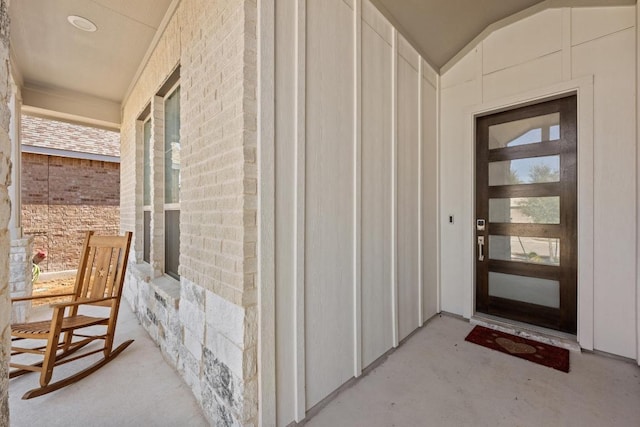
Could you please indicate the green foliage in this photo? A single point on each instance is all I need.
(543, 210)
(35, 272)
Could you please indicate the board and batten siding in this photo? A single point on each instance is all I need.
(538, 54)
(356, 195)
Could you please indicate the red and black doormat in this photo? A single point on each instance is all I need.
(543, 354)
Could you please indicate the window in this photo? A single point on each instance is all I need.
(146, 253)
(158, 136)
(172, 182)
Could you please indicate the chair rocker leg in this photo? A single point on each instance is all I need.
(78, 376)
(60, 356)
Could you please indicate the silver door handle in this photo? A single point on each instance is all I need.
(480, 248)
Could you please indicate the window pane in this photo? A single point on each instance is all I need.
(534, 250)
(526, 289)
(531, 170)
(172, 243)
(172, 147)
(526, 131)
(146, 247)
(147, 162)
(525, 210)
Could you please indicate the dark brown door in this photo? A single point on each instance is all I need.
(526, 237)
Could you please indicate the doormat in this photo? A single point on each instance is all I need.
(533, 351)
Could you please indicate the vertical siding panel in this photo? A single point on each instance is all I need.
(357, 188)
(420, 142)
(329, 198)
(610, 59)
(394, 189)
(407, 220)
(300, 206)
(429, 198)
(285, 176)
(377, 326)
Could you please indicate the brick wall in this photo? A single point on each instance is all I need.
(207, 323)
(5, 174)
(62, 198)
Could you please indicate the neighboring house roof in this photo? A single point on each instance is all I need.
(46, 136)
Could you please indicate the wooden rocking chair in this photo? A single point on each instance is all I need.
(99, 282)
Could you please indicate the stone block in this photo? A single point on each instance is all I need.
(16, 275)
(193, 319)
(193, 344)
(215, 410)
(19, 312)
(225, 318)
(193, 293)
(221, 379)
(189, 369)
(226, 352)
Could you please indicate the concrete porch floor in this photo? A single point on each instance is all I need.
(137, 388)
(438, 379)
(434, 379)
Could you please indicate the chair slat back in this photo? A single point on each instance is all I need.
(102, 263)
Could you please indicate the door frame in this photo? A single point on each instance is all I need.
(564, 316)
(584, 90)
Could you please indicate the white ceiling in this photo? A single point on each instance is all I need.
(52, 56)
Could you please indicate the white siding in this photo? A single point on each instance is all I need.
(408, 197)
(377, 329)
(614, 189)
(523, 41)
(429, 197)
(329, 198)
(590, 23)
(456, 197)
(339, 206)
(539, 72)
(285, 141)
(535, 53)
(638, 183)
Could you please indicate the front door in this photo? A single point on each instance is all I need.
(526, 209)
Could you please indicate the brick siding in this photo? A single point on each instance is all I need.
(215, 45)
(62, 198)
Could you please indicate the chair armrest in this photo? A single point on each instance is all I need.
(18, 299)
(80, 302)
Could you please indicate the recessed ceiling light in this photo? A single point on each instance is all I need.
(82, 23)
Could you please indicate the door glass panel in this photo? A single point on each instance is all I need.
(525, 210)
(526, 131)
(535, 250)
(532, 170)
(526, 289)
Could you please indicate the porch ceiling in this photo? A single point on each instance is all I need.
(59, 64)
